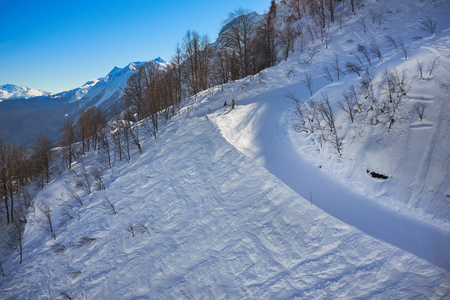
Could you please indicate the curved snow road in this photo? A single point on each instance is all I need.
(254, 129)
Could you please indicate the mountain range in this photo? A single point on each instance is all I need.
(11, 92)
(29, 112)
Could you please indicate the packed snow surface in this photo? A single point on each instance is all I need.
(234, 204)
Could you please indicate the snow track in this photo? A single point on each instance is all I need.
(221, 200)
(255, 130)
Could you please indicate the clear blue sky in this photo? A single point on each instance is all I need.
(58, 45)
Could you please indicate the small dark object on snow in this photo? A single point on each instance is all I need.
(377, 175)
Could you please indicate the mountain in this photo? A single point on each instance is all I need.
(11, 92)
(25, 119)
(102, 89)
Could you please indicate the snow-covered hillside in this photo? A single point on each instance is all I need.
(11, 92)
(237, 204)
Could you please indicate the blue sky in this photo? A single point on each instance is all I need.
(59, 45)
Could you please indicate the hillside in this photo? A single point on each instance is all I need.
(239, 204)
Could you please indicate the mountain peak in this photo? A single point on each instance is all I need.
(161, 60)
(11, 91)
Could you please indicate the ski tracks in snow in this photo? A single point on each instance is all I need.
(258, 134)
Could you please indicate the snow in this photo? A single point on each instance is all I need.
(219, 225)
(106, 88)
(11, 92)
(235, 204)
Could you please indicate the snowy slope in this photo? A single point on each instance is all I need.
(210, 223)
(414, 153)
(11, 91)
(233, 204)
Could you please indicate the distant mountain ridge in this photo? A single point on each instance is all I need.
(11, 91)
(26, 118)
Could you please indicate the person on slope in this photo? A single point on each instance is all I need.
(225, 105)
(232, 103)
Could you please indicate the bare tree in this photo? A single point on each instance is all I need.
(420, 109)
(1, 270)
(375, 49)
(362, 22)
(433, 67)
(82, 181)
(196, 53)
(312, 33)
(327, 72)
(135, 91)
(177, 73)
(75, 197)
(266, 36)
(287, 37)
(359, 4)
(66, 295)
(419, 67)
(117, 135)
(222, 66)
(46, 221)
(312, 51)
(109, 207)
(354, 67)
(105, 145)
(428, 25)
(309, 83)
(14, 175)
(348, 105)
(326, 113)
(336, 66)
(403, 49)
(364, 51)
(15, 240)
(43, 157)
(392, 42)
(130, 229)
(67, 141)
(240, 26)
(5, 174)
(373, 16)
(306, 114)
(331, 4)
(394, 88)
(367, 85)
(97, 175)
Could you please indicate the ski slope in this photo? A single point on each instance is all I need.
(233, 204)
(218, 225)
(255, 130)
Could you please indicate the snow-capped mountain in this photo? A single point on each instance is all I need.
(11, 91)
(50, 112)
(105, 89)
